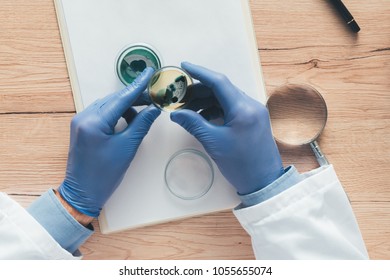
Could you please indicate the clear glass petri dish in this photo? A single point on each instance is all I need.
(133, 60)
(189, 174)
(168, 88)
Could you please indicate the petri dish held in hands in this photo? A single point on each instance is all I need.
(168, 88)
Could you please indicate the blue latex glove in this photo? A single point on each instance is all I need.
(243, 146)
(99, 157)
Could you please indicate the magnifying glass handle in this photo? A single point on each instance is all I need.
(318, 153)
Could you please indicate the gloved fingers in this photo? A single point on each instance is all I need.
(212, 113)
(99, 102)
(194, 123)
(142, 122)
(130, 114)
(143, 99)
(200, 97)
(202, 104)
(225, 92)
(117, 104)
(203, 101)
(199, 91)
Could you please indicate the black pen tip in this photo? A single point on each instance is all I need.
(354, 26)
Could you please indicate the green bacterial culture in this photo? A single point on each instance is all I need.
(133, 60)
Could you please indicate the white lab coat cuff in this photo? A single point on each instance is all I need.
(311, 220)
(22, 237)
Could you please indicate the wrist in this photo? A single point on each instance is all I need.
(83, 219)
(260, 180)
(289, 178)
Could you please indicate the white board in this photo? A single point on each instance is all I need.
(217, 34)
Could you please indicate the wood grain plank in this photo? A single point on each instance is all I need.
(33, 151)
(313, 24)
(33, 73)
(374, 221)
(213, 236)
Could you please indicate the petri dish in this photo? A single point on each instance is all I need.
(189, 174)
(168, 88)
(133, 60)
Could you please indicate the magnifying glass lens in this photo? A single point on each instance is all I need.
(298, 114)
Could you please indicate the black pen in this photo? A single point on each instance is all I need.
(346, 15)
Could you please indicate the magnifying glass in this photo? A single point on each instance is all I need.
(298, 116)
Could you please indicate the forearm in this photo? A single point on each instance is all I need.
(83, 219)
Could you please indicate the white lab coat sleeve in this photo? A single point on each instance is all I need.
(22, 237)
(311, 220)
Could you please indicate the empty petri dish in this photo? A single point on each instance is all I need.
(133, 60)
(189, 174)
(168, 88)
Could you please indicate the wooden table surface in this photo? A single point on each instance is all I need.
(304, 41)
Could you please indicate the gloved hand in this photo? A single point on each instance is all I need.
(243, 147)
(99, 157)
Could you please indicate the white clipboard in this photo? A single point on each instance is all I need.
(217, 34)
